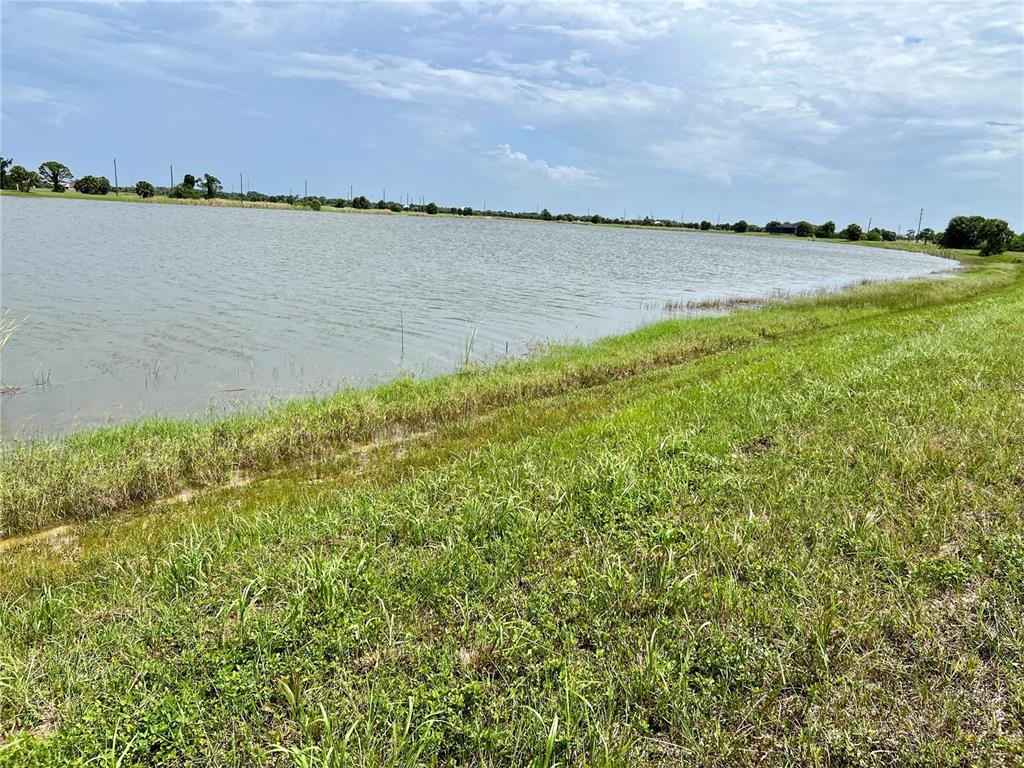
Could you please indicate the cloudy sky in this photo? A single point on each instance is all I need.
(740, 110)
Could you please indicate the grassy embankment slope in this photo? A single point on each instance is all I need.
(785, 536)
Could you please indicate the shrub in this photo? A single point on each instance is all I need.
(828, 229)
(144, 189)
(995, 236)
(705, 225)
(431, 208)
(362, 203)
(1016, 243)
(185, 192)
(804, 229)
(740, 226)
(874, 235)
(853, 232)
(93, 185)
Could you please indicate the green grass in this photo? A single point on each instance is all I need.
(791, 536)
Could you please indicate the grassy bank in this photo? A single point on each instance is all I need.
(791, 536)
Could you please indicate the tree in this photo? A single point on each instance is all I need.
(963, 232)
(396, 208)
(5, 163)
(705, 225)
(1016, 243)
(546, 214)
(186, 192)
(888, 235)
(804, 229)
(144, 189)
(771, 225)
(22, 179)
(467, 211)
(828, 229)
(189, 181)
(93, 185)
(995, 236)
(853, 232)
(362, 203)
(927, 234)
(740, 226)
(382, 205)
(313, 203)
(874, 235)
(431, 208)
(211, 186)
(55, 175)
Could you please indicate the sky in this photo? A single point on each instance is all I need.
(706, 110)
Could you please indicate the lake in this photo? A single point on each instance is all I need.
(133, 310)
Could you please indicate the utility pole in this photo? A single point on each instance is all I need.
(350, 198)
(920, 217)
(115, 175)
(172, 175)
(384, 194)
(305, 188)
(869, 223)
(241, 190)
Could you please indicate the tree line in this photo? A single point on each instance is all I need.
(987, 235)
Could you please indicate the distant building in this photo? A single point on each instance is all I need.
(786, 228)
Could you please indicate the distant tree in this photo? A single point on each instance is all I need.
(5, 163)
(888, 235)
(467, 211)
(772, 225)
(963, 232)
(853, 232)
(55, 175)
(431, 208)
(995, 236)
(362, 203)
(828, 229)
(1016, 243)
(927, 235)
(382, 205)
(546, 214)
(804, 229)
(740, 226)
(313, 203)
(211, 186)
(705, 225)
(189, 181)
(184, 191)
(144, 189)
(396, 208)
(874, 235)
(93, 185)
(22, 179)
(595, 219)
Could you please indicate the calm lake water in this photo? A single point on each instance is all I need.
(131, 310)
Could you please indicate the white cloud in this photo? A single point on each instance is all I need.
(566, 176)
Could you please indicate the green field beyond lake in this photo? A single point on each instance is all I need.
(785, 536)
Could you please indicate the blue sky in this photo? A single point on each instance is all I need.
(825, 110)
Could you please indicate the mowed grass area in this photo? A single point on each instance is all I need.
(791, 536)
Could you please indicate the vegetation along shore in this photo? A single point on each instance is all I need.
(54, 179)
(784, 536)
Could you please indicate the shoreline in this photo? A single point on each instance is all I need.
(96, 471)
(898, 245)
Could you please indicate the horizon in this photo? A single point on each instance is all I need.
(838, 112)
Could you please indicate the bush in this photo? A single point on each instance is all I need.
(888, 235)
(93, 185)
(804, 229)
(382, 205)
(362, 203)
(185, 192)
(144, 189)
(431, 208)
(963, 232)
(397, 208)
(874, 235)
(313, 203)
(853, 232)
(740, 226)
(1016, 243)
(705, 225)
(828, 229)
(995, 235)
